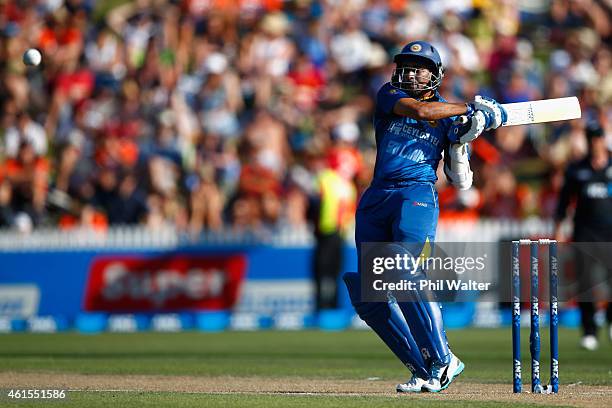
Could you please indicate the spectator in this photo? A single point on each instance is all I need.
(7, 218)
(219, 98)
(28, 174)
(25, 131)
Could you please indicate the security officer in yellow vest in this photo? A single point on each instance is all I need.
(333, 212)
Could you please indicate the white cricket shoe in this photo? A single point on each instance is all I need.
(589, 342)
(610, 332)
(443, 375)
(415, 384)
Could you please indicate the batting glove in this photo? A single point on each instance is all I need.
(465, 129)
(497, 114)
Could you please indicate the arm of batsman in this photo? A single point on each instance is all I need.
(457, 166)
(495, 112)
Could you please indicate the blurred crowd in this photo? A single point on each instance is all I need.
(217, 114)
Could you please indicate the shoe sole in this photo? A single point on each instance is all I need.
(459, 370)
(423, 389)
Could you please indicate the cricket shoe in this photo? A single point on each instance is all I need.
(443, 375)
(415, 384)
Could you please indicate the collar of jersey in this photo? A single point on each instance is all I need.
(435, 96)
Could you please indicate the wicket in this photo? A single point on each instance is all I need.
(534, 338)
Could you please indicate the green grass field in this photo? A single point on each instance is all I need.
(277, 368)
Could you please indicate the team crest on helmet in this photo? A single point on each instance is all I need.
(393, 91)
(416, 48)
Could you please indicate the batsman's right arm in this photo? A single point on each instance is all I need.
(428, 110)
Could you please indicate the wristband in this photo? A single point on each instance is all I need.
(469, 109)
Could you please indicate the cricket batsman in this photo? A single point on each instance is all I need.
(414, 125)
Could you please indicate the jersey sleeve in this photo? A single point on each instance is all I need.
(387, 98)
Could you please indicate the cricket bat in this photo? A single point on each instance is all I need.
(545, 110)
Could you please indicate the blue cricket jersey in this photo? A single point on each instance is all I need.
(408, 150)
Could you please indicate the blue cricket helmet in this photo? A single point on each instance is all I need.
(424, 53)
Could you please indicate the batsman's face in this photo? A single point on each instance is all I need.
(415, 75)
